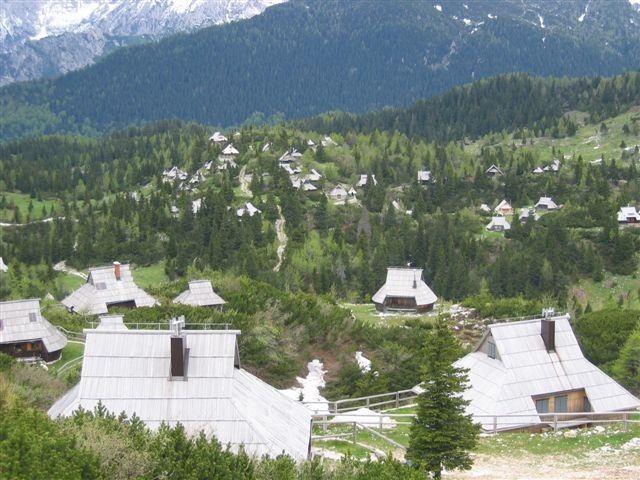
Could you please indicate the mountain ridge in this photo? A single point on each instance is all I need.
(44, 38)
(302, 58)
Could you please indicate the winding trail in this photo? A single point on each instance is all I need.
(244, 183)
(44, 220)
(282, 239)
(62, 267)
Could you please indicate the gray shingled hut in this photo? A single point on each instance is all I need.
(191, 377)
(25, 333)
(106, 287)
(200, 294)
(404, 290)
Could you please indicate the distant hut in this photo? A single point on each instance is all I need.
(626, 214)
(338, 193)
(424, 177)
(546, 203)
(218, 138)
(504, 208)
(493, 170)
(25, 333)
(498, 224)
(364, 180)
(3, 266)
(200, 294)
(248, 209)
(404, 290)
(107, 287)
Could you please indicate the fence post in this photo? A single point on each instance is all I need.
(555, 422)
(368, 401)
(495, 424)
(397, 399)
(380, 421)
(324, 423)
(354, 433)
(625, 422)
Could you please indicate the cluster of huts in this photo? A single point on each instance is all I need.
(170, 375)
(499, 221)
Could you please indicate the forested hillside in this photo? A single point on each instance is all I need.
(506, 102)
(306, 57)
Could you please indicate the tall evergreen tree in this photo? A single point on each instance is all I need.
(442, 435)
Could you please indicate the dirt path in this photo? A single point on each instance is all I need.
(62, 267)
(44, 220)
(244, 183)
(282, 239)
(535, 467)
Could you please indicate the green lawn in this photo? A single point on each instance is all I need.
(367, 313)
(607, 292)
(344, 447)
(550, 443)
(149, 276)
(68, 283)
(22, 200)
(584, 142)
(70, 352)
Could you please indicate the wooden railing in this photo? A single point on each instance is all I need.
(381, 400)
(499, 423)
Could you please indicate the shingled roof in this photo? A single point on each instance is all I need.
(103, 289)
(22, 321)
(200, 293)
(405, 283)
(130, 371)
(512, 365)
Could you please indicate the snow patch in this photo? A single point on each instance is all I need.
(363, 362)
(310, 390)
(491, 16)
(467, 22)
(541, 21)
(365, 416)
(466, 7)
(438, 8)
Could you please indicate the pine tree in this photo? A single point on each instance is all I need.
(442, 435)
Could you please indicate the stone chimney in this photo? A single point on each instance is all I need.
(116, 270)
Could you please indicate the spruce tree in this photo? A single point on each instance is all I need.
(442, 435)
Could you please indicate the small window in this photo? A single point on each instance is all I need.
(33, 317)
(560, 404)
(491, 349)
(542, 405)
(586, 404)
(101, 286)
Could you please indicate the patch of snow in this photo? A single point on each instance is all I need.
(541, 21)
(466, 7)
(491, 16)
(196, 205)
(365, 416)
(310, 390)
(363, 362)
(438, 8)
(467, 22)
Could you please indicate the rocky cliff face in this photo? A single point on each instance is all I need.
(46, 38)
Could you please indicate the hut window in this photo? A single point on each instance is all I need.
(101, 286)
(542, 405)
(491, 349)
(32, 317)
(586, 404)
(560, 403)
